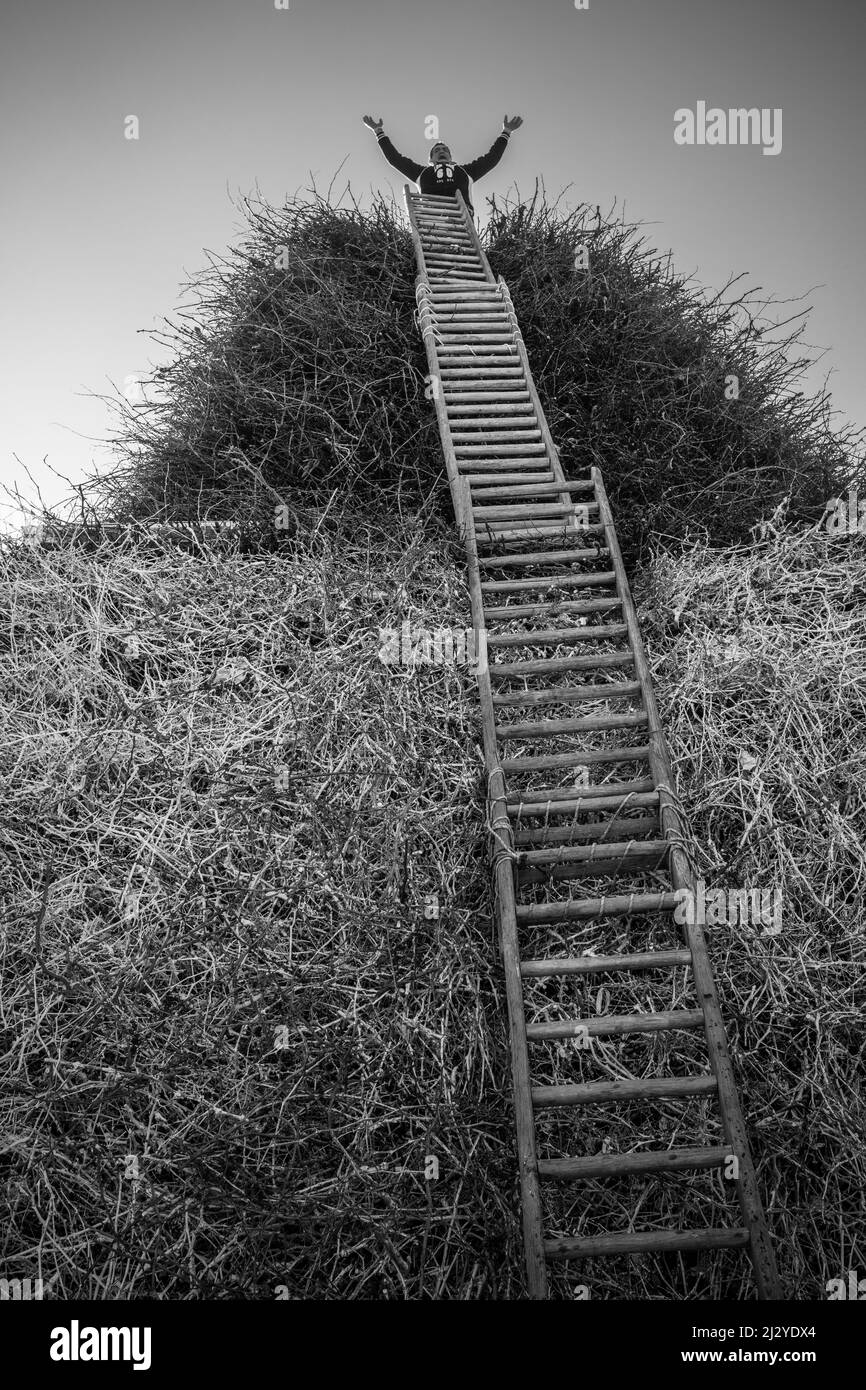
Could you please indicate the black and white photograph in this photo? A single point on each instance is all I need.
(433, 671)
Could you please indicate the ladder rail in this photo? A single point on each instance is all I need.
(505, 910)
(683, 877)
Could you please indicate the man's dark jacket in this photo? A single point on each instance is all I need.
(445, 179)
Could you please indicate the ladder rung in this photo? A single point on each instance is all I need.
(553, 636)
(499, 448)
(542, 808)
(469, 335)
(620, 1165)
(470, 400)
(461, 294)
(483, 362)
(513, 401)
(639, 1088)
(471, 322)
(542, 557)
(635, 864)
(466, 304)
(603, 793)
(550, 728)
(466, 413)
(595, 830)
(456, 310)
(581, 909)
(471, 466)
(450, 342)
(576, 758)
(527, 489)
(517, 422)
(606, 858)
(459, 341)
(510, 612)
(533, 527)
(571, 694)
(541, 511)
(551, 581)
(596, 965)
(516, 670)
(484, 358)
(508, 383)
(480, 331)
(460, 363)
(641, 1242)
(539, 530)
(466, 373)
(463, 313)
(537, 533)
(476, 321)
(612, 1025)
(481, 478)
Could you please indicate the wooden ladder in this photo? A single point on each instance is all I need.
(546, 575)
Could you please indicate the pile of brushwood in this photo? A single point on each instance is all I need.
(253, 1040)
(295, 371)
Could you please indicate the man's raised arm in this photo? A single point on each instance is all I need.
(485, 162)
(406, 166)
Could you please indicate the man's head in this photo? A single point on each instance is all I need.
(440, 154)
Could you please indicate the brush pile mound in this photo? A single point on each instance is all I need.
(295, 370)
(252, 1002)
(253, 1035)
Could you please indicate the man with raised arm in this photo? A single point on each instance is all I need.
(442, 176)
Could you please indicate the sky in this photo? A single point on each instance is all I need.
(99, 232)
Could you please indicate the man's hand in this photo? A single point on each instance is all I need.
(374, 124)
(511, 124)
